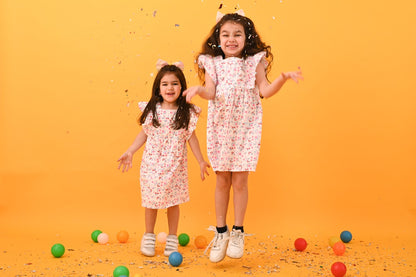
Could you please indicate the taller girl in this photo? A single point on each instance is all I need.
(233, 67)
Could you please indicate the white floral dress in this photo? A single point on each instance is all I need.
(235, 115)
(164, 166)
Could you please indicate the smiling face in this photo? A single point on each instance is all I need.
(232, 39)
(170, 89)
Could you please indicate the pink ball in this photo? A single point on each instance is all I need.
(338, 269)
(300, 244)
(102, 238)
(161, 237)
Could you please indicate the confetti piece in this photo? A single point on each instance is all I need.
(154, 13)
(220, 6)
(176, 25)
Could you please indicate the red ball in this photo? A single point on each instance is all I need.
(300, 244)
(338, 269)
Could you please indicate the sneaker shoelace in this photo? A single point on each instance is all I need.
(213, 243)
(238, 237)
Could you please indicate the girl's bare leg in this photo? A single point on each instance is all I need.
(240, 192)
(222, 197)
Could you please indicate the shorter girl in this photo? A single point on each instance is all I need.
(168, 121)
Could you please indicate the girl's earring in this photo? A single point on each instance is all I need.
(219, 46)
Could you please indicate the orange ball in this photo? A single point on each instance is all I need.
(123, 236)
(339, 248)
(201, 242)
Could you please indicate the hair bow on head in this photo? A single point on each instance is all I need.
(161, 63)
(220, 14)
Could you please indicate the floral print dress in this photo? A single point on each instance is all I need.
(235, 115)
(164, 166)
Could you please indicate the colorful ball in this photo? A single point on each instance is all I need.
(300, 244)
(57, 250)
(183, 239)
(123, 236)
(121, 271)
(95, 234)
(102, 238)
(338, 269)
(161, 237)
(339, 248)
(333, 240)
(175, 259)
(346, 236)
(201, 242)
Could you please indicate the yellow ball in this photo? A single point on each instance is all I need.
(333, 240)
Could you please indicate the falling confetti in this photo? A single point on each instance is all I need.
(176, 25)
(220, 6)
(154, 13)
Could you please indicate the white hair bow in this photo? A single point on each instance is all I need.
(220, 14)
(161, 63)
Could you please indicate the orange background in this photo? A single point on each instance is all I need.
(338, 150)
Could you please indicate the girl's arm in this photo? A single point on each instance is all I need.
(207, 92)
(196, 150)
(267, 89)
(126, 160)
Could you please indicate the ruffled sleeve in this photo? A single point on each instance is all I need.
(252, 62)
(207, 62)
(192, 121)
(147, 126)
(142, 105)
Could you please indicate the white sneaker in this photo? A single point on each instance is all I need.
(218, 246)
(235, 248)
(171, 245)
(148, 244)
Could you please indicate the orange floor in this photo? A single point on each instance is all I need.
(26, 252)
(42, 214)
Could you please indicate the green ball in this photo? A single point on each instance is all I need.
(121, 271)
(183, 239)
(94, 235)
(57, 250)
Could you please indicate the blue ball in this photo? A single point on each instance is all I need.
(175, 259)
(346, 236)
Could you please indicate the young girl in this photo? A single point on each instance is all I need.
(168, 121)
(233, 66)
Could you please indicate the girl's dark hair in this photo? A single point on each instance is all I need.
(253, 44)
(183, 114)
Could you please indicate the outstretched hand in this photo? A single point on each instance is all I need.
(294, 75)
(191, 92)
(204, 169)
(126, 162)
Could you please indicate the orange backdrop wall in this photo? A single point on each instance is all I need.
(338, 150)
